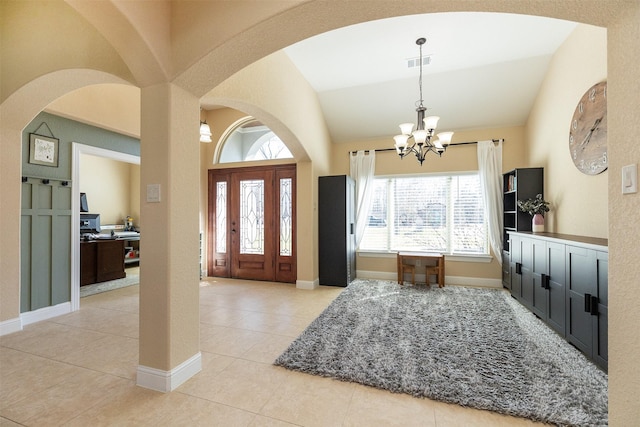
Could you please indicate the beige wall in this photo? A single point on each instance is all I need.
(28, 27)
(134, 194)
(108, 184)
(578, 202)
(114, 107)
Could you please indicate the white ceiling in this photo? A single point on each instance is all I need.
(485, 72)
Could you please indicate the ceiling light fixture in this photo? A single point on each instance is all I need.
(423, 136)
(205, 132)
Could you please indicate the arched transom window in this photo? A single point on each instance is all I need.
(250, 140)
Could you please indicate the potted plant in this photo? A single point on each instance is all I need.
(537, 208)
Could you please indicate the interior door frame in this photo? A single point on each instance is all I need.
(285, 266)
(78, 150)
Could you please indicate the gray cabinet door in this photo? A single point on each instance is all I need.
(538, 278)
(556, 279)
(601, 323)
(514, 266)
(581, 285)
(527, 273)
(506, 270)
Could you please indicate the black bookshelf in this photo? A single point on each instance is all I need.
(518, 184)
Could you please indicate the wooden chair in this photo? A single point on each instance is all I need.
(408, 268)
(433, 270)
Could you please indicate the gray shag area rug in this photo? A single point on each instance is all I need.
(473, 347)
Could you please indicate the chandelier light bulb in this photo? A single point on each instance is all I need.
(445, 138)
(406, 128)
(431, 122)
(420, 136)
(401, 143)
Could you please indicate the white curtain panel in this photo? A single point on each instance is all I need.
(362, 168)
(490, 169)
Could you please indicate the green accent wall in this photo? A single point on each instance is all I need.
(45, 241)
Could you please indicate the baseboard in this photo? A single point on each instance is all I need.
(474, 282)
(45, 313)
(378, 275)
(10, 326)
(448, 280)
(166, 381)
(307, 284)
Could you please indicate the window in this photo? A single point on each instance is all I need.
(250, 140)
(268, 147)
(442, 213)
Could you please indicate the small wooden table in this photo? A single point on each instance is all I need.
(433, 262)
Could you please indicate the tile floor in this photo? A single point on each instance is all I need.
(79, 370)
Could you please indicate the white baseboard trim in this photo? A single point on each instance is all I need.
(448, 280)
(45, 313)
(378, 275)
(307, 284)
(166, 381)
(474, 282)
(10, 326)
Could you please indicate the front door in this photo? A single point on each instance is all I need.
(251, 231)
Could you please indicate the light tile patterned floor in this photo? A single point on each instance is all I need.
(79, 369)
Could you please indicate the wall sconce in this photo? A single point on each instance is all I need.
(205, 132)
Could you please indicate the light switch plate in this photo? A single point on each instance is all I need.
(630, 179)
(153, 193)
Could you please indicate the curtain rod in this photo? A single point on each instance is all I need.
(450, 145)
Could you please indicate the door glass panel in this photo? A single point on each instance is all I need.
(221, 217)
(252, 217)
(285, 217)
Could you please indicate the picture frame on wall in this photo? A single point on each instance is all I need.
(43, 150)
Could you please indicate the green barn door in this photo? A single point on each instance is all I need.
(45, 243)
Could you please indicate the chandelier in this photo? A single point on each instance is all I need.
(423, 137)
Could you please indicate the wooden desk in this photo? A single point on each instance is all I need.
(428, 259)
(101, 260)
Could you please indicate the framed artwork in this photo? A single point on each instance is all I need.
(43, 150)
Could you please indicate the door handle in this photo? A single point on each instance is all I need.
(594, 305)
(543, 281)
(587, 303)
(518, 268)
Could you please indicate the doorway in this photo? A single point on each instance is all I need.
(252, 228)
(78, 150)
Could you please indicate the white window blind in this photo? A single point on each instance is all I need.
(441, 213)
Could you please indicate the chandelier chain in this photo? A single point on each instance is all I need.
(420, 79)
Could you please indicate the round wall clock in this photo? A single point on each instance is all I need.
(588, 131)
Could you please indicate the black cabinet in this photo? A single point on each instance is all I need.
(518, 184)
(336, 229)
(563, 280)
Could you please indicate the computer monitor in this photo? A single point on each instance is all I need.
(89, 223)
(83, 203)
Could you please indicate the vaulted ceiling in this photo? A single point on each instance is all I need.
(485, 70)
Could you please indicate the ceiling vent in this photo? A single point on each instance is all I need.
(415, 62)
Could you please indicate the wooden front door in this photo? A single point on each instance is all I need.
(251, 231)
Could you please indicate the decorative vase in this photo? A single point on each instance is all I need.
(537, 223)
